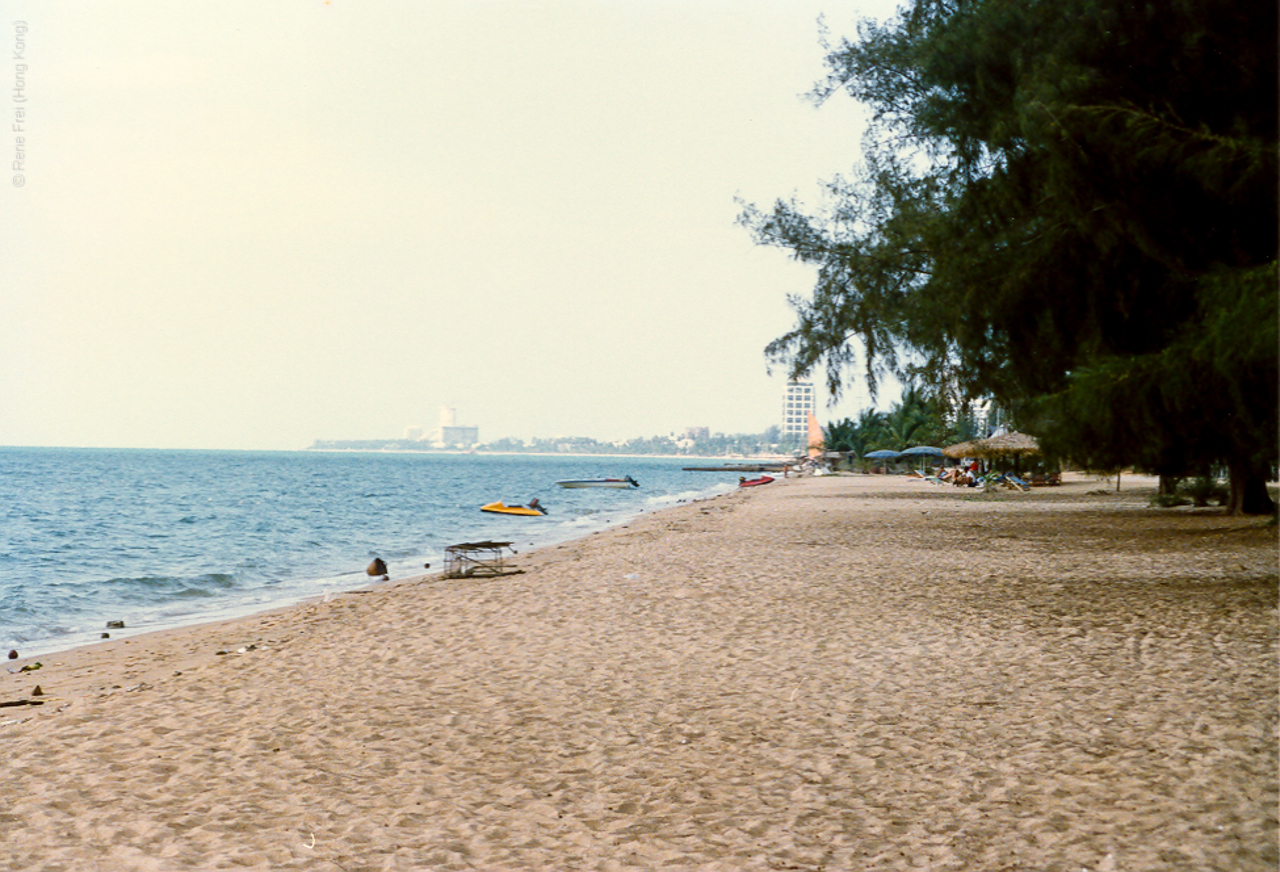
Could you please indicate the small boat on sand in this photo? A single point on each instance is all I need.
(753, 482)
(502, 508)
(627, 482)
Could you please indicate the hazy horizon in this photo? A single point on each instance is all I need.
(234, 226)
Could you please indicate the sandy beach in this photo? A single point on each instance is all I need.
(845, 672)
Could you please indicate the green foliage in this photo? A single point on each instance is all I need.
(1204, 491)
(1207, 396)
(915, 420)
(843, 436)
(1070, 207)
(865, 434)
(1200, 492)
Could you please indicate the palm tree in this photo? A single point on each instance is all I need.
(865, 434)
(915, 420)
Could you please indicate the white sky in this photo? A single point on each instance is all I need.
(252, 225)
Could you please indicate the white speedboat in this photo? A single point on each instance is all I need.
(627, 482)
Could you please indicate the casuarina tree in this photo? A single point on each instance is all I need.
(1070, 207)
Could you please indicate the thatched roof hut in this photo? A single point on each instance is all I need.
(997, 446)
(961, 449)
(1009, 443)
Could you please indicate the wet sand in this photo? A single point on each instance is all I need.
(847, 672)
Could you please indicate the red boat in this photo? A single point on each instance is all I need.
(752, 482)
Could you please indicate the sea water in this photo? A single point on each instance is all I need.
(159, 539)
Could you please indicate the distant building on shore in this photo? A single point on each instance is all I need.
(799, 403)
(449, 434)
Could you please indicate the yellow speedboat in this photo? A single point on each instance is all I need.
(503, 509)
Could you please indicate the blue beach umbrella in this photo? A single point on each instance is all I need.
(923, 449)
(882, 454)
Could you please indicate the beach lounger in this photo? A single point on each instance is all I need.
(932, 479)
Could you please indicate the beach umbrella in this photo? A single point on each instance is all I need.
(882, 454)
(926, 450)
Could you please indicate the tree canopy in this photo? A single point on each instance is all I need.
(1070, 207)
(916, 419)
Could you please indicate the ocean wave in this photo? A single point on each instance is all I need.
(146, 589)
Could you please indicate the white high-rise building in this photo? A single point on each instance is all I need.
(800, 401)
(449, 434)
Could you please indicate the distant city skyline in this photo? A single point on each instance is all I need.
(800, 398)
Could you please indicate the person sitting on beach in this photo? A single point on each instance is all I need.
(376, 568)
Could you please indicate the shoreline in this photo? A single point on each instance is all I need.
(842, 671)
(300, 574)
(363, 584)
(359, 578)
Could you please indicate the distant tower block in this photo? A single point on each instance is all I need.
(799, 403)
(450, 435)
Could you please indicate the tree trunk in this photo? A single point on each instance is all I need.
(1249, 490)
(1169, 485)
